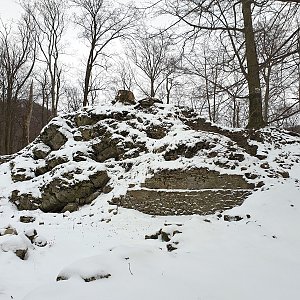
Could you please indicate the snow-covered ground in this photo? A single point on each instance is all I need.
(255, 258)
(100, 252)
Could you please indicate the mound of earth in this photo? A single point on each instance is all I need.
(147, 156)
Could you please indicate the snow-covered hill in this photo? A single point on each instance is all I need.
(105, 251)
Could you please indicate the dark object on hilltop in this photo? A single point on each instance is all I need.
(125, 97)
(148, 102)
(294, 129)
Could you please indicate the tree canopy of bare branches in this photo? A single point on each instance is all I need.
(17, 59)
(236, 25)
(49, 17)
(101, 23)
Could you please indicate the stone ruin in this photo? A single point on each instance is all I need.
(185, 192)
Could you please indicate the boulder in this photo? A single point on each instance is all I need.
(21, 253)
(125, 97)
(21, 174)
(59, 194)
(8, 231)
(185, 192)
(15, 244)
(107, 148)
(35, 239)
(24, 201)
(31, 235)
(156, 132)
(148, 102)
(40, 241)
(196, 179)
(70, 207)
(52, 137)
(185, 202)
(63, 193)
(27, 219)
(187, 151)
(40, 151)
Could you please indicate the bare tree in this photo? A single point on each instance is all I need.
(49, 17)
(27, 116)
(233, 21)
(101, 23)
(120, 77)
(125, 75)
(152, 54)
(17, 59)
(73, 98)
(44, 93)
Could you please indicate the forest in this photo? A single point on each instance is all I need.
(237, 63)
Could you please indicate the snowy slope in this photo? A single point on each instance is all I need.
(100, 251)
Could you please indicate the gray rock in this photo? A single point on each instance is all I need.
(107, 148)
(59, 192)
(9, 231)
(21, 253)
(52, 137)
(229, 218)
(71, 207)
(40, 152)
(24, 201)
(20, 174)
(195, 179)
(197, 191)
(187, 151)
(156, 132)
(148, 102)
(27, 219)
(87, 118)
(31, 235)
(39, 241)
(125, 97)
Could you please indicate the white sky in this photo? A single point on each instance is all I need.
(9, 9)
(75, 52)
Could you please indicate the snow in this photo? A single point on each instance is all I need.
(257, 257)
(250, 259)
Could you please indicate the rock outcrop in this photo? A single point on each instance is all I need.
(172, 160)
(63, 193)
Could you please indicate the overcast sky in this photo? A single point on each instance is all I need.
(9, 9)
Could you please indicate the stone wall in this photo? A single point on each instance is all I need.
(185, 192)
(182, 203)
(195, 179)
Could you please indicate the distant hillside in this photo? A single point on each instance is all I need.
(35, 125)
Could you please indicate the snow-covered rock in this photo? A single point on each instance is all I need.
(77, 155)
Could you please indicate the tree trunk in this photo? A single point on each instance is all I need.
(152, 91)
(207, 89)
(86, 86)
(88, 74)
(8, 119)
(52, 92)
(43, 107)
(2, 126)
(255, 99)
(168, 89)
(27, 117)
(267, 95)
